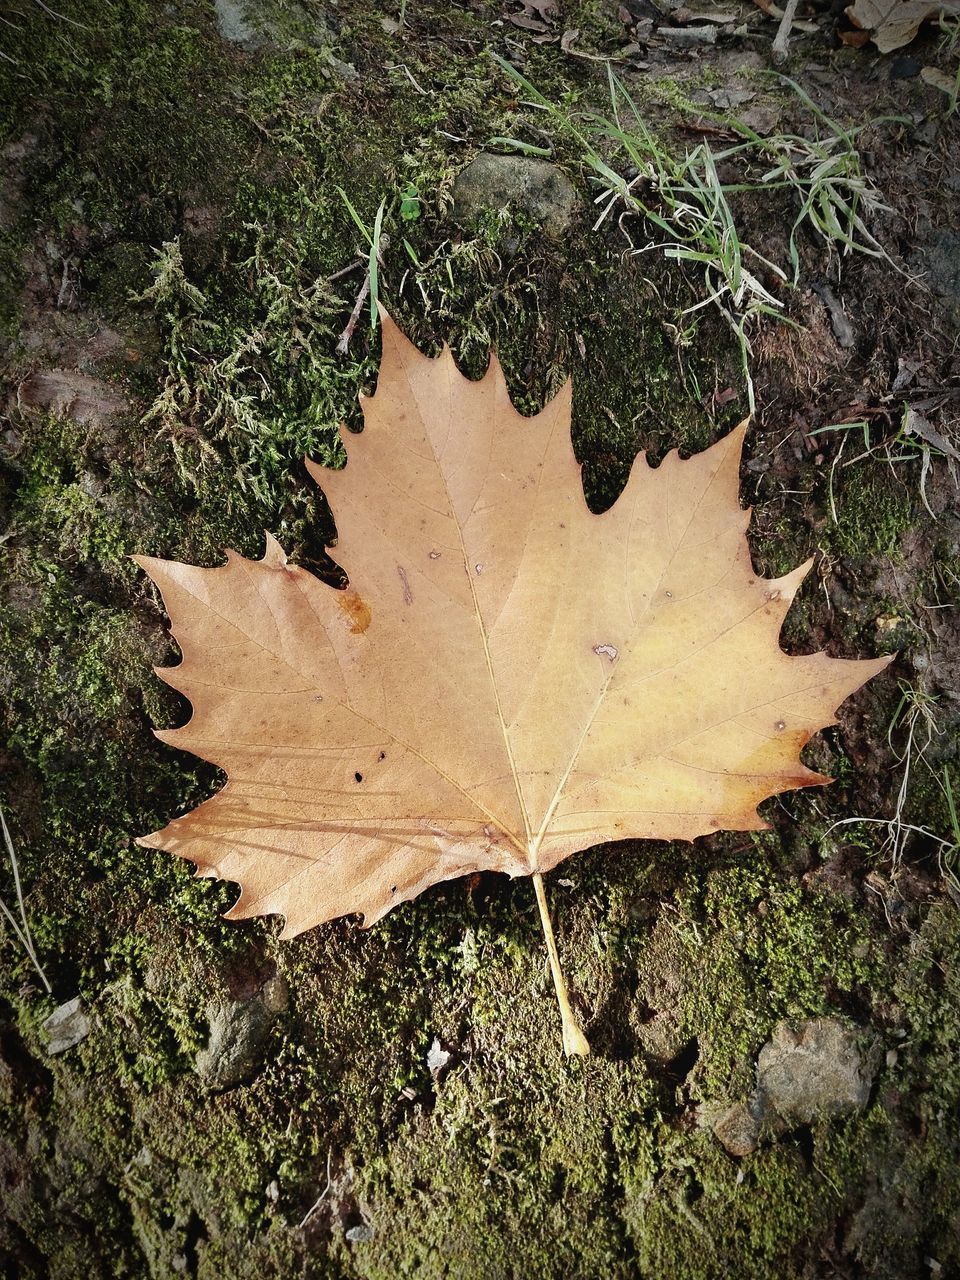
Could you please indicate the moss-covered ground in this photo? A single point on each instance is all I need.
(174, 224)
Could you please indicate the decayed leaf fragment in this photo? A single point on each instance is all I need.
(508, 679)
(891, 24)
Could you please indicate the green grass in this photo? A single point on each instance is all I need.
(21, 927)
(914, 441)
(683, 200)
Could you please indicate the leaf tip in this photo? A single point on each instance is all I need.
(149, 564)
(786, 587)
(736, 437)
(274, 555)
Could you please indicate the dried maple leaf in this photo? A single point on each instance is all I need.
(508, 679)
(891, 24)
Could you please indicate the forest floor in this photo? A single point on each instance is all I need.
(775, 1079)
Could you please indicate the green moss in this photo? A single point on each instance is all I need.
(762, 950)
(874, 510)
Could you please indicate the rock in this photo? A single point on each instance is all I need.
(86, 400)
(804, 1070)
(259, 25)
(537, 187)
(239, 1030)
(738, 1127)
(437, 1058)
(345, 70)
(812, 1068)
(361, 1234)
(725, 99)
(67, 1026)
(234, 24)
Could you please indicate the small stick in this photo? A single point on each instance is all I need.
(781, 40)
(574, 1041)
(345, 271)
(347, 334)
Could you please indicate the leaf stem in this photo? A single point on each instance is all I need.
(574, 1041)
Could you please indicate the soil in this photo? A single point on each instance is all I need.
(181, 264)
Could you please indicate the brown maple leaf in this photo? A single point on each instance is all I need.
(508, 678)
(891, 24)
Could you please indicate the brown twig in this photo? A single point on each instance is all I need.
(344, 343)
(773, 10)
(347, 334)
(781, 40)
(345, 271)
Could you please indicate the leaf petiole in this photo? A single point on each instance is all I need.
(574, 1041)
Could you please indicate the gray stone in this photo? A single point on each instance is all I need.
(260, 25)
(239, 1030)
(66, 1026)
(808, 1069)
(361, 1234)
(737, 1128)
(537, 187)
(234, 24)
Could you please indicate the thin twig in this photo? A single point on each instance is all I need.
(344, 343)
(65, 283)
(345, 271)
(402, 66)
(781, 40)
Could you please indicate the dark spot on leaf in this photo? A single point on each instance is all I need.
(356, 610)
